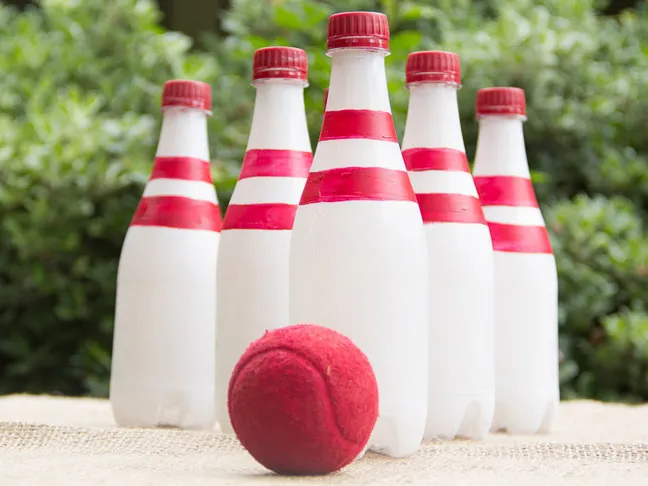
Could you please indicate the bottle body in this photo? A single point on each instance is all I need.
(358, 256)
(527, 389)
(252, 294)
(461, 396)
(163, 353)
(526, 282)
(460, 267)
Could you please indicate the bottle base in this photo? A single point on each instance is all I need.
(525, 418)
(162, 408)
(459, 416)
(223, 423)
(398, 436)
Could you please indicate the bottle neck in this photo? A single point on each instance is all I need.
(279, 119)
(358, 81)
(500, 147)
(183, 133)
(433, 118)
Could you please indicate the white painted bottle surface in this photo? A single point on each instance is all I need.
(163, 350)
(358, 255)
(252, 294)
(526, 283)
(460, 252)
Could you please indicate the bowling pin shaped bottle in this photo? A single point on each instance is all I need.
(526, 284)
(255, 241)
(163, 350)
(358, 258)
(460, 252)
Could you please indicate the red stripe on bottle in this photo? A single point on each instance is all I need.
(450, 208)
(276, 163)
(363, 124)
(274, 216)
(421, 159)
(506, 191)
(520, 239)
(184, 168)
(177, 212)
(357, 184)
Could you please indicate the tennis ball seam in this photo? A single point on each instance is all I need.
(309, 362)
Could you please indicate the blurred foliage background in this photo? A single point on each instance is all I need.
(79, 121)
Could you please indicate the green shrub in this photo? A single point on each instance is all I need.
(602, 250)
(79, 120)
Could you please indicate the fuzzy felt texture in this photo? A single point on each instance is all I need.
(303, 400)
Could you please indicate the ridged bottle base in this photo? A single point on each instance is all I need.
(466, 417)
(525, 418)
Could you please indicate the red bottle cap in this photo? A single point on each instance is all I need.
(280, 63)
(182, 92)
(358, 30)
(501, 101)
(433, 67)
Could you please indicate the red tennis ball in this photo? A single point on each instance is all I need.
(303, 400)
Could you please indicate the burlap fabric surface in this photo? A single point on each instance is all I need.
(63, 441)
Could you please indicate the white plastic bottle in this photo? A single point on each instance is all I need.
(255, 241)
(526, 283)
(163, 350)
(358, 259)
(460, 252)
